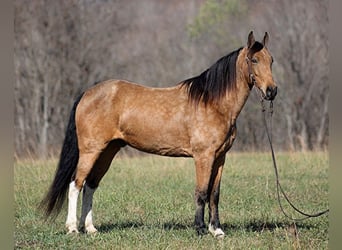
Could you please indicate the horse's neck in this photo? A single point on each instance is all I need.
(236, 99)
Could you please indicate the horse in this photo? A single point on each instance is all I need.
(195, 118)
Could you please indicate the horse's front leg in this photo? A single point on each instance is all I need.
(214, 222)
(203, 173)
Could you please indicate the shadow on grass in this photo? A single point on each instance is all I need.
(107, 227)
(252, 226)
(260, 226)
(168, 226)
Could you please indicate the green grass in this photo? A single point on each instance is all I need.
(147, 203)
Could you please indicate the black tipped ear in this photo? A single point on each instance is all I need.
(251, 40)
(265, 40)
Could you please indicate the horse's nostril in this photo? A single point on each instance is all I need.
(271, 93)
(275, 90)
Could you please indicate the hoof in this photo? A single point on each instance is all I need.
(217, 233)
(91, 230)
(72, 231)
(201, 231)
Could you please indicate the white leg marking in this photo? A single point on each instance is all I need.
(217, 233)
(86, 221)
(71, 222)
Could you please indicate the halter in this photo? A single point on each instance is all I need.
(251, 79)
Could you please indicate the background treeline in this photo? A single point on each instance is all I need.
(63, 47)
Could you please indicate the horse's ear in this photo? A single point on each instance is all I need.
(250, 40)
(265, 40)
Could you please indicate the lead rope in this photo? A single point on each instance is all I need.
(279, 187)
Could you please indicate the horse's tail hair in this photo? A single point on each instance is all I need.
(54, 199)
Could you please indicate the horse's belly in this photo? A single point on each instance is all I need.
(157, 137)
(158, 145)
(165, 151)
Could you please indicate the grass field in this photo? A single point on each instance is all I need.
(147, 203)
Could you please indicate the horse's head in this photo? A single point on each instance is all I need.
(259, 61)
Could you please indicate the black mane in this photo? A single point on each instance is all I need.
(213, 83)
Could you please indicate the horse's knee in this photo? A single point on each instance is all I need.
(201, 196)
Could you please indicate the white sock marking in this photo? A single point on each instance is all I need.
(217, 233)
(71, 222)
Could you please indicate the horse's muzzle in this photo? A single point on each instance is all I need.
(271, 93)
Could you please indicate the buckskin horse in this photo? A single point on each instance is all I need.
(196, 118)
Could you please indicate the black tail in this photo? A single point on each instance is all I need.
(54, 199)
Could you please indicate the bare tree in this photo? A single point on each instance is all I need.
(63, 47)
(302, 52)
(41, 58)
(299, 44)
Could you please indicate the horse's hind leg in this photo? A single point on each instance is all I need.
(86, 221)
(85, 164)
(92, 181)
(71, 222)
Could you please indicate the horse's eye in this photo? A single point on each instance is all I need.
(254, 60)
